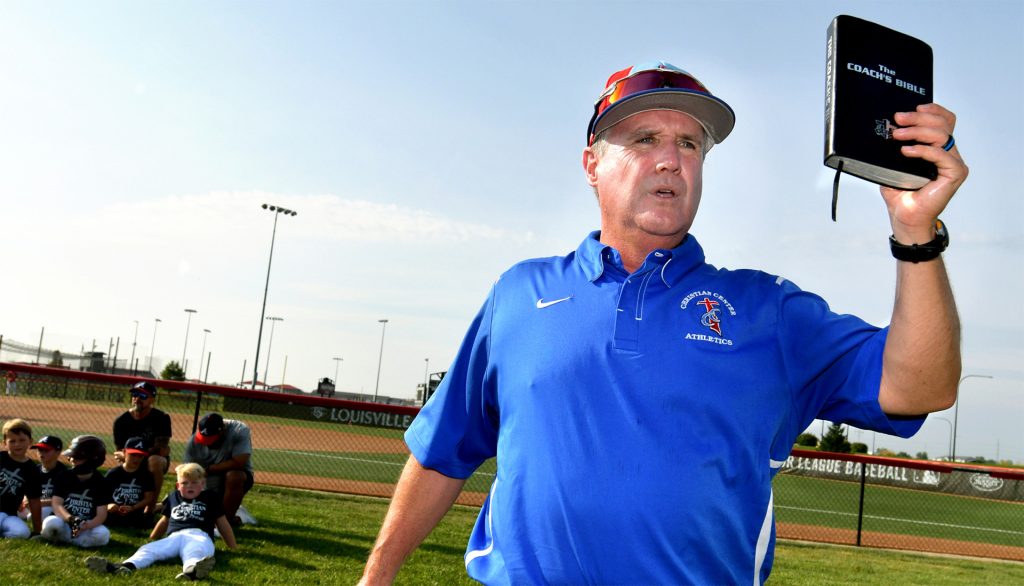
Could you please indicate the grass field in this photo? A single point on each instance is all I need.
(315, 538)
(832, 503)
(328, 452)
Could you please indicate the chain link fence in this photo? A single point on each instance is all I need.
(901, 504)
(334, 445)
(299, 441)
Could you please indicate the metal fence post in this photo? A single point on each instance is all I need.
(860, 507)
(195, 417)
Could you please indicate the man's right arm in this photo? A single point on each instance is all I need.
(421, 499)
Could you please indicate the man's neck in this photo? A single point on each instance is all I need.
(634, 251)
(140, 414)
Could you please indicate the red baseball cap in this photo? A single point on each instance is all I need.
(659, 86)
(49, 442)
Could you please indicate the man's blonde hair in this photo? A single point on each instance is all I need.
(190, 471)
(17, 426)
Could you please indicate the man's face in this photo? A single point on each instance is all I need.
(190, 489)
(17, 444)
(142, 402)
(648, 179)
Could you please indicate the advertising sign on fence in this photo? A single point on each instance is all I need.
(342, 415)
(962, 482)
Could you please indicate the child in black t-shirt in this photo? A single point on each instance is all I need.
(190, 515)
(19, 478)
(80, 497)
(131, 487)
(50, 467)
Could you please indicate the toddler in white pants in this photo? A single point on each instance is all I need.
(190, 514)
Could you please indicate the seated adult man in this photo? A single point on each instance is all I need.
(223, 447)
(150, 424)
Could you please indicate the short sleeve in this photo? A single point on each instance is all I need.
(457, 430)
(164, 429)
(242, 442)
(834, 365)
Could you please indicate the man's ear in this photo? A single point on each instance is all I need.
(590, 160)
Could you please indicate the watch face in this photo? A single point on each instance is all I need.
(941, 233)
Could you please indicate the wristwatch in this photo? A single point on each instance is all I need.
(916, 253)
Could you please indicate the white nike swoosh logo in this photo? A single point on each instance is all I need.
(541, 304)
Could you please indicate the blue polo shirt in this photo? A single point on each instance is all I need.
(638, 419)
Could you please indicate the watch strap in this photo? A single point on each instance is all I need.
(916, 253)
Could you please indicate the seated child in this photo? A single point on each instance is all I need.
(50, 467)
(189, 514)
(19, 478)
(131, 488)
(80, 497)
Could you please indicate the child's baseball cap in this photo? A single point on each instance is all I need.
(136, 445)
(49, 442)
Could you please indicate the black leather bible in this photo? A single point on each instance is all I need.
(872, 72)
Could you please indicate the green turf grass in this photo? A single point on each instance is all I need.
(307, 537)
(833, 503)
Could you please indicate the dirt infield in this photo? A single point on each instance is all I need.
(378, 489)
(897, 541)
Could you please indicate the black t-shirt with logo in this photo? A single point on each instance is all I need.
(81, 497)
(154, 425)
(47, 478)
(128, 488)
(201, 512)
(17, 480)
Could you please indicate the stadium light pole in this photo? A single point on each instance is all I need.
(956, 409)
(383, 328)
(187, 325)
(266, 371)
(202, 353)
(426, 378)
(278, 210)
(950, 424)
(152, 345)
(337, 361)
(131, 360)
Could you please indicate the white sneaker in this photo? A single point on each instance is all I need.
(246, 517)
(197, 571)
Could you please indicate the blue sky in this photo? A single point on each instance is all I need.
(429, 145)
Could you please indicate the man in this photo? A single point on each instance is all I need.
(223, 447)
(150, 424)
(639, 401)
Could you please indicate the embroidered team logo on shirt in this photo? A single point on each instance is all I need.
(712, 308)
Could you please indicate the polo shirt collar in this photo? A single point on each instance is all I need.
(594, 257)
